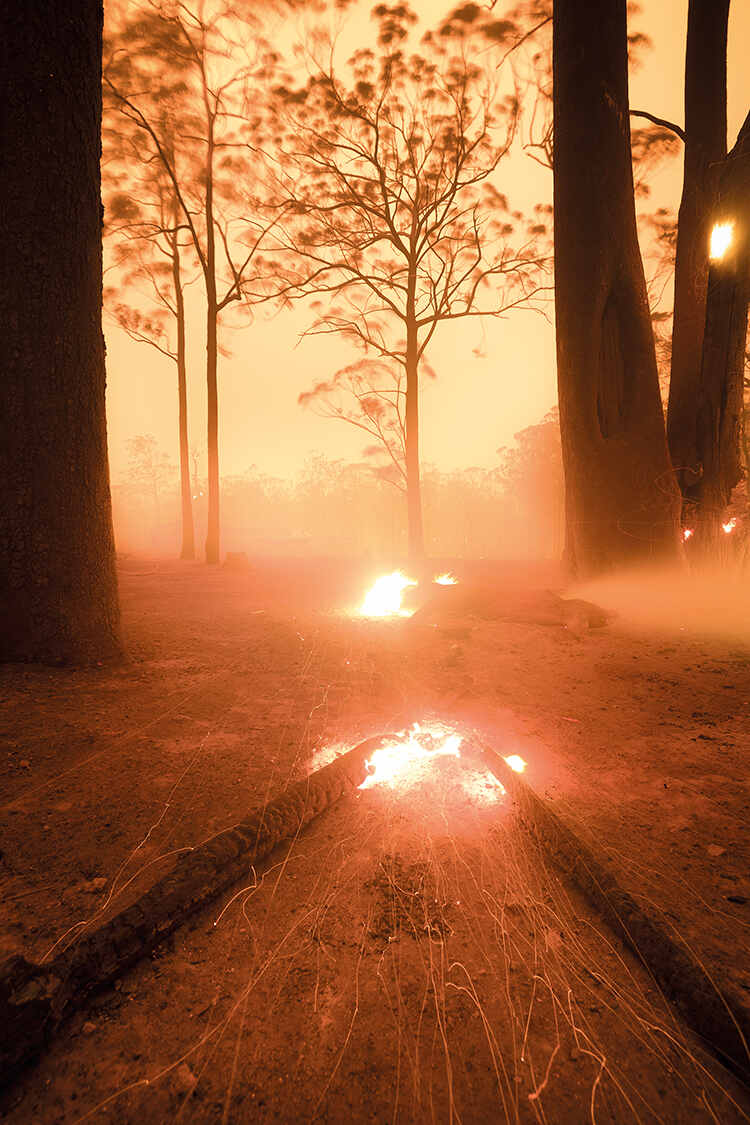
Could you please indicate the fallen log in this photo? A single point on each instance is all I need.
(721, 1019)
(35, 999)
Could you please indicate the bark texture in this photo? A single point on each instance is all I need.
(705, 149)
(186, 495)
(58, 590)
(622, 501)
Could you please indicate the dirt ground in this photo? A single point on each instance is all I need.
(411, 957)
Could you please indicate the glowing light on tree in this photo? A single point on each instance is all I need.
(721, 240)
(686, 533)
(729, 526)
(446, 580)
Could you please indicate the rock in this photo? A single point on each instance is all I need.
(184, 1078)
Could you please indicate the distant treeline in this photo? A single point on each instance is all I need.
(334, 508)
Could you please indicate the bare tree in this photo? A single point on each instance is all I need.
(204, 96)
(146, 298)
(389, 163)
(58, 588)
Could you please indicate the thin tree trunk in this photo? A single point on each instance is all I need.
(705, 148)
(188, 533)
(720, 396)
(212, 317)
(58, 588)
(622, 501)
(413, 481)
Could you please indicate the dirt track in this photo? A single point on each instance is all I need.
(237, 679)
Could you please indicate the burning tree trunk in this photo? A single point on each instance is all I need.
(719, 399)
(705, 148)
(57, 570)
(622, 502)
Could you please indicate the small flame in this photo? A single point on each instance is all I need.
(384, 598)
(391, 762)
(721, 239)
(446, 579)
(729, 527)
(686, 533)
(515, 762)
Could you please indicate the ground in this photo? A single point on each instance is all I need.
(412, 956)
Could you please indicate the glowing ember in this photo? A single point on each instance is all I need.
(515, 762)
(391, 762)
(686, 533)
(729, 527)
(721, 239)
(384, 598)
(446, 580)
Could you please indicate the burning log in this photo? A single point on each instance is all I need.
(35, 999)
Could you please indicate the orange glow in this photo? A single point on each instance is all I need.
(384, 598)
(396, 763)
(515, 762)
(721, 240)
(729, 527)
(687, 532)
(447, 579)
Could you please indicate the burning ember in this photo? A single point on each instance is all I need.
(729, 527)
(384, 598)
(686, 533)
(515, 762)
(446, 580)
(721, 240)
(419, 745)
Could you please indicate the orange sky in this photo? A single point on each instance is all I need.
(476, 404)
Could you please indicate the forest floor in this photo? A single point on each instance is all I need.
(412, 956)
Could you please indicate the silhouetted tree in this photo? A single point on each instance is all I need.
(144, 224)
(390, 164)
(719, 405)
(622, 502)
(705, 137)
(58, 589)
(204, 97)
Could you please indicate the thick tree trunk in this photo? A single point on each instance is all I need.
(719, 399)
(622, 501)
(413, 479)
(188, 532)
(705, 148)
(58, 589)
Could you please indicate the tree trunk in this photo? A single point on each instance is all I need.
(212, 328)
(719, 404)
(705, 148)
(413, 481)
(58, 588)
(188, 533)
(622, 501)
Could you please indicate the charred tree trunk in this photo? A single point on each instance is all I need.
(58, 589)
(705, 148)
(188, 532)
(622, 501)
(719, 401)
